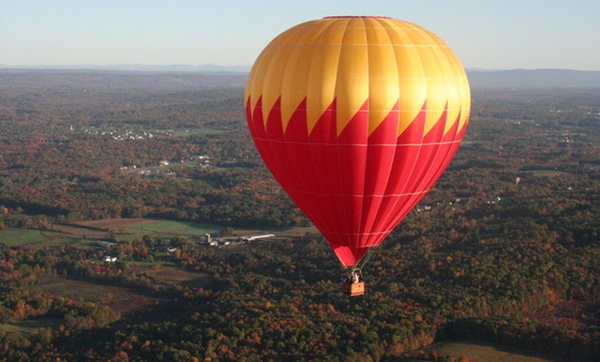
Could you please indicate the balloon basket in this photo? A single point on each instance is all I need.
(354, 289)
(354, 284)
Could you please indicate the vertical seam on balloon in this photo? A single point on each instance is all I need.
(422, 182)
(444, 114)
(334, 218)
(449, 155)
(339, 219)
(392, 220)
(270, 144)
(355, 240)
(337, 148)
(293, 47)
(397, 124)
(250, 83)
(368, 149)
(400, 91)
(374, 221)
(264, 77)
(464, 87)
(311, 149)
(274, 108)
(457, 85)
(419, 182)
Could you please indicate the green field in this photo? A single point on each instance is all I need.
(119, 298)
(197, 132)
(125, 229)
(169, 229)
(545, 173)
(34, 238)
(30, 325)
(487, 352)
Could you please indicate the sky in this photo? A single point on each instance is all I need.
(487, 34)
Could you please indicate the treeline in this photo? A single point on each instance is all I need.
(18, 305)
(281, 300)
(581, 343)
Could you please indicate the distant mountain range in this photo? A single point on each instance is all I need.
(533, 78)
(478, 78)
(175, 68)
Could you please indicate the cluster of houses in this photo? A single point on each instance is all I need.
(424, 208)
(208, 240)
(235, 240)
(102, 246)
(124, 135)
(203, 160)
(495, 200)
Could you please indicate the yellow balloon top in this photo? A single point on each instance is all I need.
(354, 60)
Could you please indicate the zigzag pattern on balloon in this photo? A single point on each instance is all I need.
(357, 118)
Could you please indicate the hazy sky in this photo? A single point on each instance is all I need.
(483, 33)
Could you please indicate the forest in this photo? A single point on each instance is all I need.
(504, 249)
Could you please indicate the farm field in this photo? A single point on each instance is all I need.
(30, 325)
(35, 238)
(546, 173)
(172, 274)
(169, 229)
(197, 132)
(121, 299)
(129, 229)
(478, 351)
(123, 229)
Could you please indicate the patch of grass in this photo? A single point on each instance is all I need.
(487, 352)
(31, 324)
(236, 165)
(121, 299)
(8, 327)
(169, 229)
(34, 238)
(545, 173)
(197, 132)
(14, 236)
(174, 274)
(129, 229)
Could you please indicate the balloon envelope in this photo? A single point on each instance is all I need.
(356, 118)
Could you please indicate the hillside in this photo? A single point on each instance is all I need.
(536, 78)
(79, 79)
(182, 78)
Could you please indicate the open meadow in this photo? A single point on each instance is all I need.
(478, 351)
(98, 230)
(119, 298)
(36, 238)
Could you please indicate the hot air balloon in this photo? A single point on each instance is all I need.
(356, 118)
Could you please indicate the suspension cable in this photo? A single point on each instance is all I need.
(370, 253)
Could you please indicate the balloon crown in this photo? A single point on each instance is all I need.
(356, 16)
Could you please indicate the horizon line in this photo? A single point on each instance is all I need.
(215, 67)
